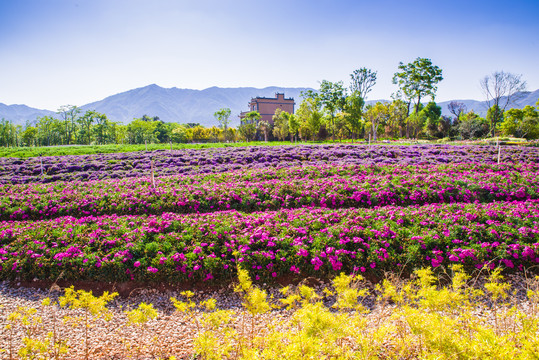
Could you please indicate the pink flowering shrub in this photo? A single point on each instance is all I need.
(307, 241)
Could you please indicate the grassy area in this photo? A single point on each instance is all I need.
(24, 152)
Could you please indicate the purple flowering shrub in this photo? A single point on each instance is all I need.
(217, 160)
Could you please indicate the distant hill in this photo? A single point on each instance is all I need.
(481, 107)
(198, 106)
(19, 114)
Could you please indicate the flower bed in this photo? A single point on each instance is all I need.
(307, 241)
(337, 186)
(196, 161)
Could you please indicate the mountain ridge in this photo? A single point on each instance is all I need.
(197, 106)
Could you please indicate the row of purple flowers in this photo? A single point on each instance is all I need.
(216, 160)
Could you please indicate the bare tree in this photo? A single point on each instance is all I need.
(362, 81)
(500, 89)
(457, 108)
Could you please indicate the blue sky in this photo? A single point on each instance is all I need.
(57, 52)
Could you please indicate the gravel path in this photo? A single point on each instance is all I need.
(169, 334)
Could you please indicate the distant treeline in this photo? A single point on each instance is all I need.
(332, 111)
(311, 122)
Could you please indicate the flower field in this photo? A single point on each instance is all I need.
(278, 211)
(215, 160)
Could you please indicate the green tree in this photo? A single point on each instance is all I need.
(494, 117)
(45, 128)
(417, 80)
(29, 136)
(353, 112)
(500, 89)
(398, 112)
(415, 123)
(433, 113)
(521, 123)
(472, 126)
(377, 115)
(280, 124)
(140, 131)
(252, 118)
(9, 133)
(86, 122)
(162, 132)
(293, 125)
(116, 132)
(222, 117)
(102, 129)
(309, 117)
(69, 114)
(333, 98)
(247, 131)
(265, 128)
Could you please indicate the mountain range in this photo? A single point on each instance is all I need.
(198, 106)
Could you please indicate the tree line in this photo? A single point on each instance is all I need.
(339, 111)
(333, 111)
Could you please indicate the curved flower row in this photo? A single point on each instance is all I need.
(176, 247)
(273, 189)
(216, 160)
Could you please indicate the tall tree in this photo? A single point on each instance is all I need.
(500, 89)
(333, 98)
(433, 113)
(362, 82)
(86, 122)
(293, 125)
(377, 115)
(418, 79)
(45, 127)
(103, 129)
(280, 124)
(29, 136)
(252, 117)
(353, 112)
(223, 117)
(398, 112)
(249, 125)
(69, 115)
(265, 128)
(309, 117)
